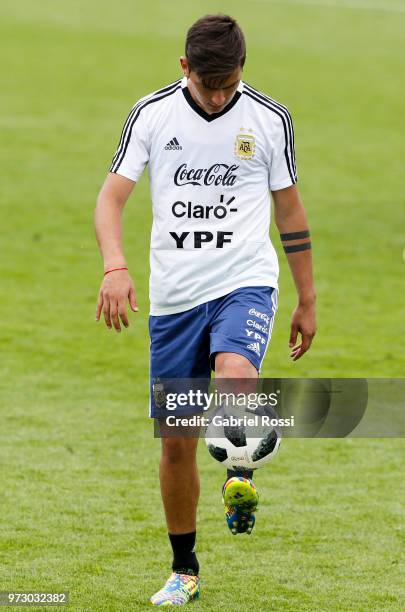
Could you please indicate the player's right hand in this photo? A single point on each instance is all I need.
(116, 289)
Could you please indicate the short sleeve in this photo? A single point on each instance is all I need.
(132, 153)
(282, 171)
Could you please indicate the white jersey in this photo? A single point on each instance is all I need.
(210, 177)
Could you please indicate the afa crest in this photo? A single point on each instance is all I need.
(245, 145)
(159, 393)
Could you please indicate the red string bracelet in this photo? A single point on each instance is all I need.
(114, 270)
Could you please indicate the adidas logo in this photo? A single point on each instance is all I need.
(254, 347)
(173, 145)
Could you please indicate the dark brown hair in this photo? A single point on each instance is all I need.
(215, 47)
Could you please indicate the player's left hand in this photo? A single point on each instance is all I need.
(303, 322)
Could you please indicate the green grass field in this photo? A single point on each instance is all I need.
(80, 507)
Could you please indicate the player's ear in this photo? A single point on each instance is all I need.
(184, 66)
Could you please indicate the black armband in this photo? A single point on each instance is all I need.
(294, 248)
(295, 235)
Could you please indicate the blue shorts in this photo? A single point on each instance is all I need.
(184, 345)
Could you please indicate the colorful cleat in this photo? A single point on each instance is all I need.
(178, 590)
(240, 499)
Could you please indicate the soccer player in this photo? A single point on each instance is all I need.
(216, 148)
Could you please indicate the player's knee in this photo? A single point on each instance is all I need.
(178, 450)
(231, 365)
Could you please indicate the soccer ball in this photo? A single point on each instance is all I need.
(241, 440)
